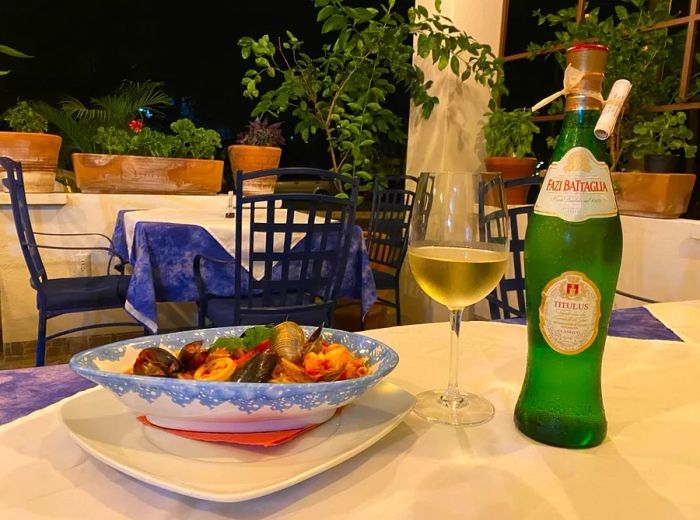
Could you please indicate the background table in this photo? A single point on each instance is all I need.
(648, 467)
(162, 259)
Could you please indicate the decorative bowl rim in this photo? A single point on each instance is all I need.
(391, 361)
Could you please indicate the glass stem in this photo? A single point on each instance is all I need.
(452, 396)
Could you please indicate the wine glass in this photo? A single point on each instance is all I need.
(457, 251)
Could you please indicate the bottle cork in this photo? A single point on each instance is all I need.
(613, 106)
(590, 59)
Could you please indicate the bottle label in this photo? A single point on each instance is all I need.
(576, 188)
(569, 312)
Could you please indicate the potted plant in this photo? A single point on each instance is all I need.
(343, 93)
(660, 191)
(142, 160)
(258, 148)
(29, 143)
(508, 136)
(658, 139)
(648, 59)
(115, 151)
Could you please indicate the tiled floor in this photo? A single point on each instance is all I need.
(60, 350)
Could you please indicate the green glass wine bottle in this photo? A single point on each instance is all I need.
(573, 249)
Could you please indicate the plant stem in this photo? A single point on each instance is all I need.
(327, 122)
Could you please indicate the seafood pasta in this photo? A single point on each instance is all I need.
(279, 354)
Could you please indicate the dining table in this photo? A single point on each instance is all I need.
(161, 244)
(648, 467)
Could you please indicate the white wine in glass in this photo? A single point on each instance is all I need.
(458, 251)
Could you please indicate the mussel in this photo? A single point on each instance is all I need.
(258, 369)
(189, 352)
(314, 343)
(156, 361)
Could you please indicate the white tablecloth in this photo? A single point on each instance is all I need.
(648, 467)
(683, 318)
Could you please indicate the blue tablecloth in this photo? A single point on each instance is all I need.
(162, 259)
(635, 322)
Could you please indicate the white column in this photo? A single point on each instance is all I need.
(451, 139)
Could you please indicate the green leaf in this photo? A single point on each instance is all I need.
(454, 64)
(334, 23)
(9, 51)
(252, 337)
(423, 45)
(256, 335)
(325, 13)
(227, 343)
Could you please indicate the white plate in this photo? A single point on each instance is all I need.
(109, 431)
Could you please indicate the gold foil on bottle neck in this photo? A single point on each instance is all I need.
(591, 61)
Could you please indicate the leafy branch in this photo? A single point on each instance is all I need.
(509, 133)
(636, 53)
(342, 94)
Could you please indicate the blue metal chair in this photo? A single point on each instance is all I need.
(499, 301)
(298, 282)
(57, 296)
(387, 233)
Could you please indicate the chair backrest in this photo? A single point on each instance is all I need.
(297, 249)
(387, 232)
(14, 182)
(507, 300)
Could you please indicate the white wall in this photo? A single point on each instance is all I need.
(81, 213)
(451, 139)
(660, 261)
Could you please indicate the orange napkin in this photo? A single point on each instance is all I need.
(265, 439)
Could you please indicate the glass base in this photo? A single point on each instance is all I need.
(469, 410)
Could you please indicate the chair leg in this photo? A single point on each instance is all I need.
(398, 302)
(201, 314)
(41, 340)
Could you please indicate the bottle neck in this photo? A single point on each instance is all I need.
(577, 130)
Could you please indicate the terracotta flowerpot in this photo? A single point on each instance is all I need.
(104, 173)
(512, 168)
(248, 158)
(38, 154)
(659, 195)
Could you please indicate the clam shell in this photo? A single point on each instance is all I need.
(287, 341)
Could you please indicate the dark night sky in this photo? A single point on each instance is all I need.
(86, 48)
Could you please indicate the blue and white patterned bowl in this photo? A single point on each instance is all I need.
(214, 406)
